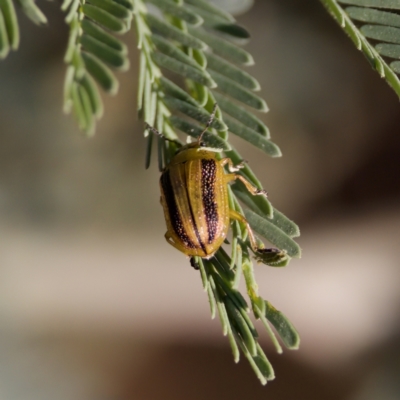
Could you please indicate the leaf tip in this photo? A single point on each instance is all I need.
(250, 60)
(256, 85)
(277, 152)
(113, 89)
(199, 21)
(212, 84)
(263, 106)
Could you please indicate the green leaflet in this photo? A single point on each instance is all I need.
(95, 100)
(263, 364)
(87, 110)
(112, 7)
(78, 106)
(211, 300)
(283, 326)
(103, 75)
(222, 47)
(104, 18)
(72, 13)
(241, 114)
(185, 70)
(197, 113)
(10, 22)
(241, 326)
(66, 4)
(33, 12)
(169, 49)
(391, 4)
(373, 16)
(148, 102)
(219, 23)
(285, 224)
(68, 82)
(221, 263)
(252, 137)
(174, 90)
(200, 58)
(4, 44)
(199, 92)
(104, 52)
(383, 33)
(207, 6)
(218, 301)
(278, 219)
(178, 11)
(395, 65)
(273, 234)
(234, 347)
(126, 3)
(234, 30)
(167, 30)
(388, 50)
(231, 71)
(101, 35)
(260, 364)
(231, 88)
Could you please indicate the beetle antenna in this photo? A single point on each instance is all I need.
(158, 133)
(154, 130)
(209, 122)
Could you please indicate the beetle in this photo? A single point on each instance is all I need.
(194, 197)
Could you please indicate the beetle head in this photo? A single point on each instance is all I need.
(199, 145)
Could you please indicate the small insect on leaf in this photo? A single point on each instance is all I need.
(194, 196)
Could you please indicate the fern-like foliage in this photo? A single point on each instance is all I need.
(9, 29)
(196, 42)
(374, 27)
(91, 52)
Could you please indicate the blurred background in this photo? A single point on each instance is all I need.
(95, 305)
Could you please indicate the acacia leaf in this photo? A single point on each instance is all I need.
(103, 36)
(273, 234)
(179, 11)
(165, 29)
(7, 9)
(183, 69)
(104, 18)
(231, 88)
(223, 47)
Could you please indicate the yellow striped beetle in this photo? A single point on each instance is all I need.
(194, 196)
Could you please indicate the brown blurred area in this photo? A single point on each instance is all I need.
(95, 305)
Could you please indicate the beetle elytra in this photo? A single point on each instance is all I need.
(194, 196)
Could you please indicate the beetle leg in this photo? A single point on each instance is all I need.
(194, 264)
(239, 217)
(231, 167)
(171, 239)
(252, 189)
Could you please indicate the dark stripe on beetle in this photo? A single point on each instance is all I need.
(208, 176)
(173, 210)
(196, 230)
